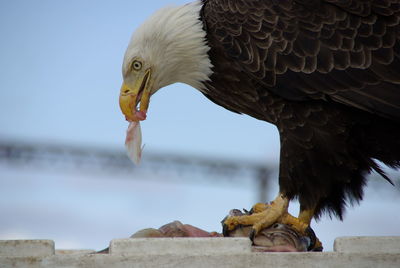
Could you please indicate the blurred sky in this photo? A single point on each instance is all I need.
(60, 75)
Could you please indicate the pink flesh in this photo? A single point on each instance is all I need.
(130, 133)
(141, 115)
(193, 231)
(133, 142)
(136, 116)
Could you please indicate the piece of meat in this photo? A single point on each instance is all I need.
(133, 142)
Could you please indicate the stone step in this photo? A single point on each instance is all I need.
(26, 248)
(355, 252)
(368, 244)
(192, 246)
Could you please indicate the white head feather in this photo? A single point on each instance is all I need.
(173, 43)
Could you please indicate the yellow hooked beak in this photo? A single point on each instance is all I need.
(131, 95)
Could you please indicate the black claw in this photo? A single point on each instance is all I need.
(318, 249)
(225, 230)
(313, 238)
(252, 235)
(223, 220)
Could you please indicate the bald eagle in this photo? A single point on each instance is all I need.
(326, 73)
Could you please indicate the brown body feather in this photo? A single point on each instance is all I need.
(326, 73)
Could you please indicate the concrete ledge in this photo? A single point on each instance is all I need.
(180, 246)
(368, 244)
(26, 248)
(198, 252)
(74, 251)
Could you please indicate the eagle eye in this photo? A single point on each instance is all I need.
(136, 65)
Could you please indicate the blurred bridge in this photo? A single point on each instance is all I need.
(63, 157)
(160, 165)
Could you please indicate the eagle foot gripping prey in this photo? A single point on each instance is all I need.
(263, 215)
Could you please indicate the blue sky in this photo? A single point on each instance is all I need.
(60, 75)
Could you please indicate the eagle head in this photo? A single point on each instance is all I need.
(169, 47)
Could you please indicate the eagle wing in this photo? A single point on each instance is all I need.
(347, 51)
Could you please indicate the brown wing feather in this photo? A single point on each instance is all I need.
(315, 49)
(327, 73)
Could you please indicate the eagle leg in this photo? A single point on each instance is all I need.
(263, 215)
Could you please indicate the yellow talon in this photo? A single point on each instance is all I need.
(264, 215)
(259, 207)
(295, 223)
